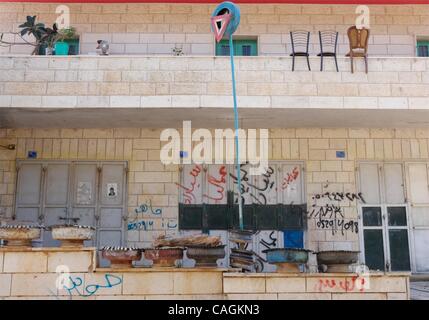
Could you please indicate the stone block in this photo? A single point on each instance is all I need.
(145, 283)
(285, 284)
(244, 284)
(25, 262)
(197, 282)
(304, 296)
(75, 261)
(34, 284)
(5, 282)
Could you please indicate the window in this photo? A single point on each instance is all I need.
(243, 47)
(384, 217)
(423, 48)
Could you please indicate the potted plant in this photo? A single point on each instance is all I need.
(29, 29)
(49, 38)
(65, 37)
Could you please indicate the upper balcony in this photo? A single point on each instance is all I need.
(161, 91)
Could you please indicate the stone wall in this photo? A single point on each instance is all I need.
(33, 274)
(156, 28)
(195, 82)
(151, 181)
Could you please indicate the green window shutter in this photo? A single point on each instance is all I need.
(241, 48)
(422, 48)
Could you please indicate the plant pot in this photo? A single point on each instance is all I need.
(19, 235)
(337, 260)
(121, 257)
(61, 48)
(287, 259)
(164, 257)
(206, 256)
(72, 235)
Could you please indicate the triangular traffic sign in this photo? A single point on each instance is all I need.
(219, 25)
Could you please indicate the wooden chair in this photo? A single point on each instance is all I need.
(328, 46)
(358, 40)
(300, 41)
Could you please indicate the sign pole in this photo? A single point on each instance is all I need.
(237, 148)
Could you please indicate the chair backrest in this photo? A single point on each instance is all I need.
(328, 40)
(300, 41)
(358, 38)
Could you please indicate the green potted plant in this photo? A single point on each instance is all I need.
(65, 40)
(49, 38)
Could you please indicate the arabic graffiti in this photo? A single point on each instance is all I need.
(349, 284)
(141, 225)
(143, 208)
(150, 224)
(219, 183)
(91, 289)
(290, 177)
(257, 192)
(270, 243)
(331, 215)
(340, 196)
(188, 191)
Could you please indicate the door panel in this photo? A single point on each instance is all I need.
(30, 176)
(27, 215)
(85, 184)
(419, 185)
(111, 218)
(394, 183)
(112, 188)
(421, 245)
(291, 184)
(52, 217)
(369, 182)
(57, 184)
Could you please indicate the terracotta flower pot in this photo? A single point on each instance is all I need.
(164, 257)
(121, 257)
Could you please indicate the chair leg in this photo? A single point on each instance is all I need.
(308, 64)
(351, 62)
(336, 62)
(321, 62)
(366, 64)
(293, 63)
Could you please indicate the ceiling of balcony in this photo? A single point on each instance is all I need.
(209, 118)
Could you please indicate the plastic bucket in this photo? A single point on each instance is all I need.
(61, 48)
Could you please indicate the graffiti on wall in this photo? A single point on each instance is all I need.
(290, 178)
(76, 285)
(256, 191)
(219, 182)
(331, 216)
(348, 284)
(147, 224)
(189, 196)
(147, 208)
